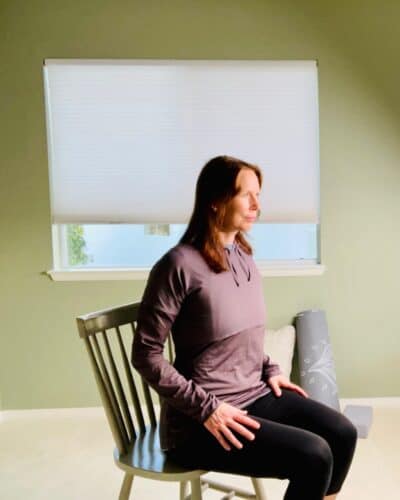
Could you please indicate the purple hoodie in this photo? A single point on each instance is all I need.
(217, 321)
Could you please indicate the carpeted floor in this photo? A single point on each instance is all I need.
(67, 455)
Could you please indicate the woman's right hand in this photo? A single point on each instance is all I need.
(227, 417)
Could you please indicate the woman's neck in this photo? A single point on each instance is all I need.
(227, 238)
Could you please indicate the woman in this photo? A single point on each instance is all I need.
(226, 406)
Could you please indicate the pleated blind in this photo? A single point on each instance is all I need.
(127, 138)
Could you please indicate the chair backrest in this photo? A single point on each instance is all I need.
(108, 336)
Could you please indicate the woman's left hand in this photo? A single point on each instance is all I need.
(278, 381)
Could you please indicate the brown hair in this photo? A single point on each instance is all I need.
(216, 186)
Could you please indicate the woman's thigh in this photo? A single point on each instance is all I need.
(305, 413)
(278, 450)
(292, 409)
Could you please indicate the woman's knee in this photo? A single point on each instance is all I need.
(346, 432)
(312, 475)
(318, 456)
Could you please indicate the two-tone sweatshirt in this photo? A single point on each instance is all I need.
(217, 321)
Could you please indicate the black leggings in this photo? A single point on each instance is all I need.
(299, 439)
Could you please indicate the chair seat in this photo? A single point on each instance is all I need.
(145, 458)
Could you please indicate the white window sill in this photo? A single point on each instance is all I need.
(121, 274)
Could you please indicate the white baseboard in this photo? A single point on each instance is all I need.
(384, 402)
(52, 413)
(392, 402)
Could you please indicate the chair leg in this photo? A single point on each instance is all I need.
(259, 488)
(183, 490)
(126, 487)
(195, 485)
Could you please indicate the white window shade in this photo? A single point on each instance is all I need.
(127, 139)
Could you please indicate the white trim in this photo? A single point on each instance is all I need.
(121, 274)
(52, 412)
(384, 402)
(295, 269)
(103, 274)
(377, 402)
(163, 62)
(60, 247)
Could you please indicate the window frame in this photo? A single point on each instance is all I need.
(61, 272)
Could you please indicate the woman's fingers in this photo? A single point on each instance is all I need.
(231, 437)
(275, 388)
(216, 432)
(222, 441)
(250, 422)
(278, 381)
(243, 431)
(227, 418)
(298, 389)
(234, 425)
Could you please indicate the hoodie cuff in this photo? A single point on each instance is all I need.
(272, 371)
(208, 409)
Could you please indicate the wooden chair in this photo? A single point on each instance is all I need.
(108, 337)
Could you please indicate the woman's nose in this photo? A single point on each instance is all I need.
(255, 203)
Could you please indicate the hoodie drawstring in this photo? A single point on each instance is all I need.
(242, 262)
(244, 265)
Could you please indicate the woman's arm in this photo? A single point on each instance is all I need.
(168, 285)
(274, 377)
(269, 369)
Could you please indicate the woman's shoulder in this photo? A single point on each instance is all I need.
(183, 256)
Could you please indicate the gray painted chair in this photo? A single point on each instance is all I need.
(108, 336)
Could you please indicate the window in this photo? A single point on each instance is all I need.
(126, 140)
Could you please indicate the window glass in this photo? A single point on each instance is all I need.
(141, 245)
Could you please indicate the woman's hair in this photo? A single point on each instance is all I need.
(216, 186)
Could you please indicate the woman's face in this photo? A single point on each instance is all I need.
(242, 210)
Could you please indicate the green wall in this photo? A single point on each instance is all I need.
(42, 361)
